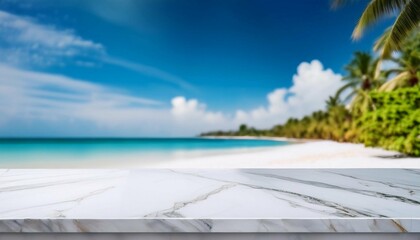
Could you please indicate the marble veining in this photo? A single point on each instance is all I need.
(234, 200)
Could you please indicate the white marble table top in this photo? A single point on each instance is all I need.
(246, 200)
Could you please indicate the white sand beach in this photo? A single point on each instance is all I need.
(310, 154)
(297, 154)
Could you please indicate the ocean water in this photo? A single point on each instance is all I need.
(121, 152)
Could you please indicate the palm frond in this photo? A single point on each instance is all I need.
(345, 87)
(397, 81)
(407, 21)
(350, 95)
(376, 68)
(380, 42)
(376, 10)
(388, 72)
(362, 102)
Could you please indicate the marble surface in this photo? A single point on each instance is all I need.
(219, 236)
(245, 200)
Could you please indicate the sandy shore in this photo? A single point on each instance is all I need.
(311, 154)
(298, 154)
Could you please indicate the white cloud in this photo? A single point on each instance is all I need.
(62, 105)
(24, 41)
(193, 116)
(30, 41)
(28, 98)
(150, 71)
(117, 11)
(28, 94)
(183, 109)
(312, 85)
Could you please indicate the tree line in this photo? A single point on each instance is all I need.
(376, 106)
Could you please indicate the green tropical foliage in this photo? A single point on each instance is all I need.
(407, 20)
(395, 124)
(244, 130)
(332, 124)
(376, 107)
(333, 102)
(360, 80)
(408, 66)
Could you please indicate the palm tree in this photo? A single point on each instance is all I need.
(338, 119)
(333, 101)
(408, 19)
(361, 79)
(408, 69)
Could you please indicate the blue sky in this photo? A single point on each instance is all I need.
(166, 67)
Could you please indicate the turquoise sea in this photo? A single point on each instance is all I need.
(117, 152)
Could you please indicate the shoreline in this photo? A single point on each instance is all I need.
(304, 154)
(281, 139)
(298, 153)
